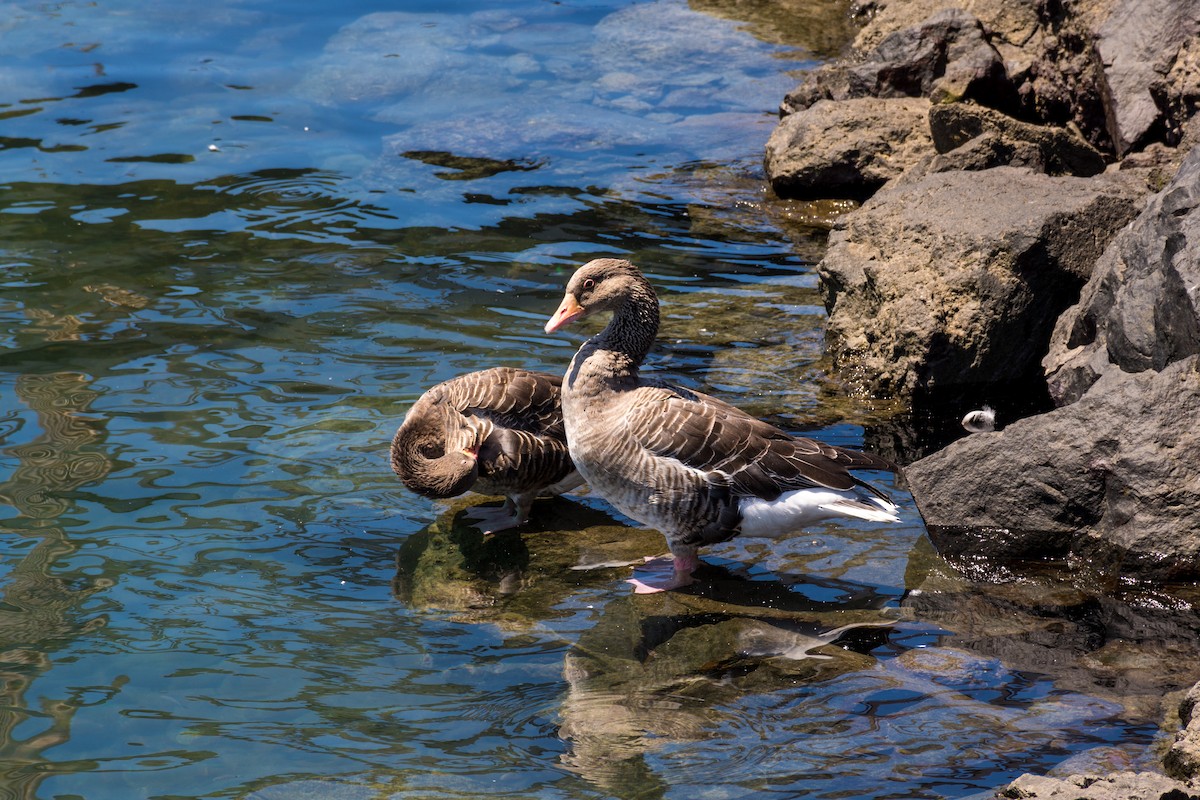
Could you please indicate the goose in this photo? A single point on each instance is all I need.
(498, 431)
(696, 468)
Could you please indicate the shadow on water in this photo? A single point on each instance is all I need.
(39, 611)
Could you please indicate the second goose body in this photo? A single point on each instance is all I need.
(497, 431)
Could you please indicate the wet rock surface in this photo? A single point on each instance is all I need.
(1103, 481)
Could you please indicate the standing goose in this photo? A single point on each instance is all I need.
(498, 431)
(689, 465)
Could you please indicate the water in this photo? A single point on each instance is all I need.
(239, 239)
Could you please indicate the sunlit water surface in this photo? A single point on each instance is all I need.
(240, 238)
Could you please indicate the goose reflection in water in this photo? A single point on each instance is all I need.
(654, 670)
(38, 608)
(661, 670)
(513, 579)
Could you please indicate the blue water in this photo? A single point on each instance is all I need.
(240, 238)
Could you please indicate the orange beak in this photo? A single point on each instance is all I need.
(568, 311)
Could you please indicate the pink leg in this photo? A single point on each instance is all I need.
(666, 575)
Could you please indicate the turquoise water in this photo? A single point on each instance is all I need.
(240, 238)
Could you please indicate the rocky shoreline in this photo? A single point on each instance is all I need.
(1028, 238)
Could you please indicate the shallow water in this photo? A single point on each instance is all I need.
(240, 239)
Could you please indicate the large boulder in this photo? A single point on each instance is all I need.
(1141, 308)
(847, 149)
(1111, 480)
(950, 284)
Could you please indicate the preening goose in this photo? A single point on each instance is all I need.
(697, 469)
(498, 431)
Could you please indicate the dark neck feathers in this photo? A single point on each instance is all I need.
(630, 333)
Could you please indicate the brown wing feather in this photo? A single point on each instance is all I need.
(522, 443)
(707, 434)
(509, 397)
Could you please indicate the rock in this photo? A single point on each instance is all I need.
(1118, 786)
(1106, 481)
(989, 149)
(848, 148)
(1059, 151)
(951, 283)
(1187, 707)
(1006, 21)
(1182, 760)
(824, 29)
(1056, 72)
(945, 57)
(1052, 71)
(1178, 94)
(1138, 45)
(1141, 308)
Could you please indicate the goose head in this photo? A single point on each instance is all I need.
(604, 284)
(435, 453)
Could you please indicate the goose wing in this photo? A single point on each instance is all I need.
(517, 418)
(755, 458)
(510, 398)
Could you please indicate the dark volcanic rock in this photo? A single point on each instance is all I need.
(1058, 150)
(1141, 308)
(953, 281)
(1111, 480)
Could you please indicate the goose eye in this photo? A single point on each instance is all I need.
(432, 450)
(589, 283)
